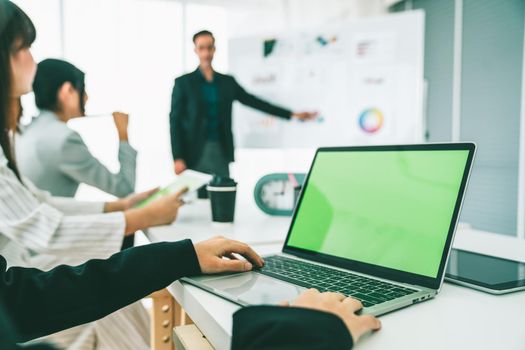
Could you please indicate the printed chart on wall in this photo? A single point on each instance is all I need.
(364, 78)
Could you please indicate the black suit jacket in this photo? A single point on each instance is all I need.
(290, 328)
(34, 303)
(188, 116)
(41, 303)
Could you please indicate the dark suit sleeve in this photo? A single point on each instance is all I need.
(250, 100)
(274, 327)
(178, 108)
(41, 303)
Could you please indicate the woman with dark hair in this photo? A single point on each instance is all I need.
(53, 156)
(16, 34)
(34, 303)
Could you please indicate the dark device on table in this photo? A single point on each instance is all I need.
(486, 273)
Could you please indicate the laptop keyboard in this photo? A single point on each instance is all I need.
(369, 291)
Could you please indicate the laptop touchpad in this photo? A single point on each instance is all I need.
(253, 288)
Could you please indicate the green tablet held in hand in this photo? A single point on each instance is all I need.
(191, 179)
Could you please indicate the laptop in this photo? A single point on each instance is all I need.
(372, 222)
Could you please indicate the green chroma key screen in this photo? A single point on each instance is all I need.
(387, 208)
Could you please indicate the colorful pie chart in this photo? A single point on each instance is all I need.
(371, 120)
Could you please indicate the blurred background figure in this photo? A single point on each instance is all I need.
(53, 156)
(201, 113)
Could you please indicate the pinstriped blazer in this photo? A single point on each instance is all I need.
(42, 231)
(56, 159)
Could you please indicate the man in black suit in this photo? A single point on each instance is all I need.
(35, 303)
(201, 113)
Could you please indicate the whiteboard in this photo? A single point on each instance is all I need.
(365, 78)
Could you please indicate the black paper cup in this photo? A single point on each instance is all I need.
(222, 199)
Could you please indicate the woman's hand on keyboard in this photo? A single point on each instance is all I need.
(340, 305)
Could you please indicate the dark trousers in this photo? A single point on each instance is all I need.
(213, 160)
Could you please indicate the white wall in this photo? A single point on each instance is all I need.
(247, 18)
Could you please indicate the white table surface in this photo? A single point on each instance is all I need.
(458, 318)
